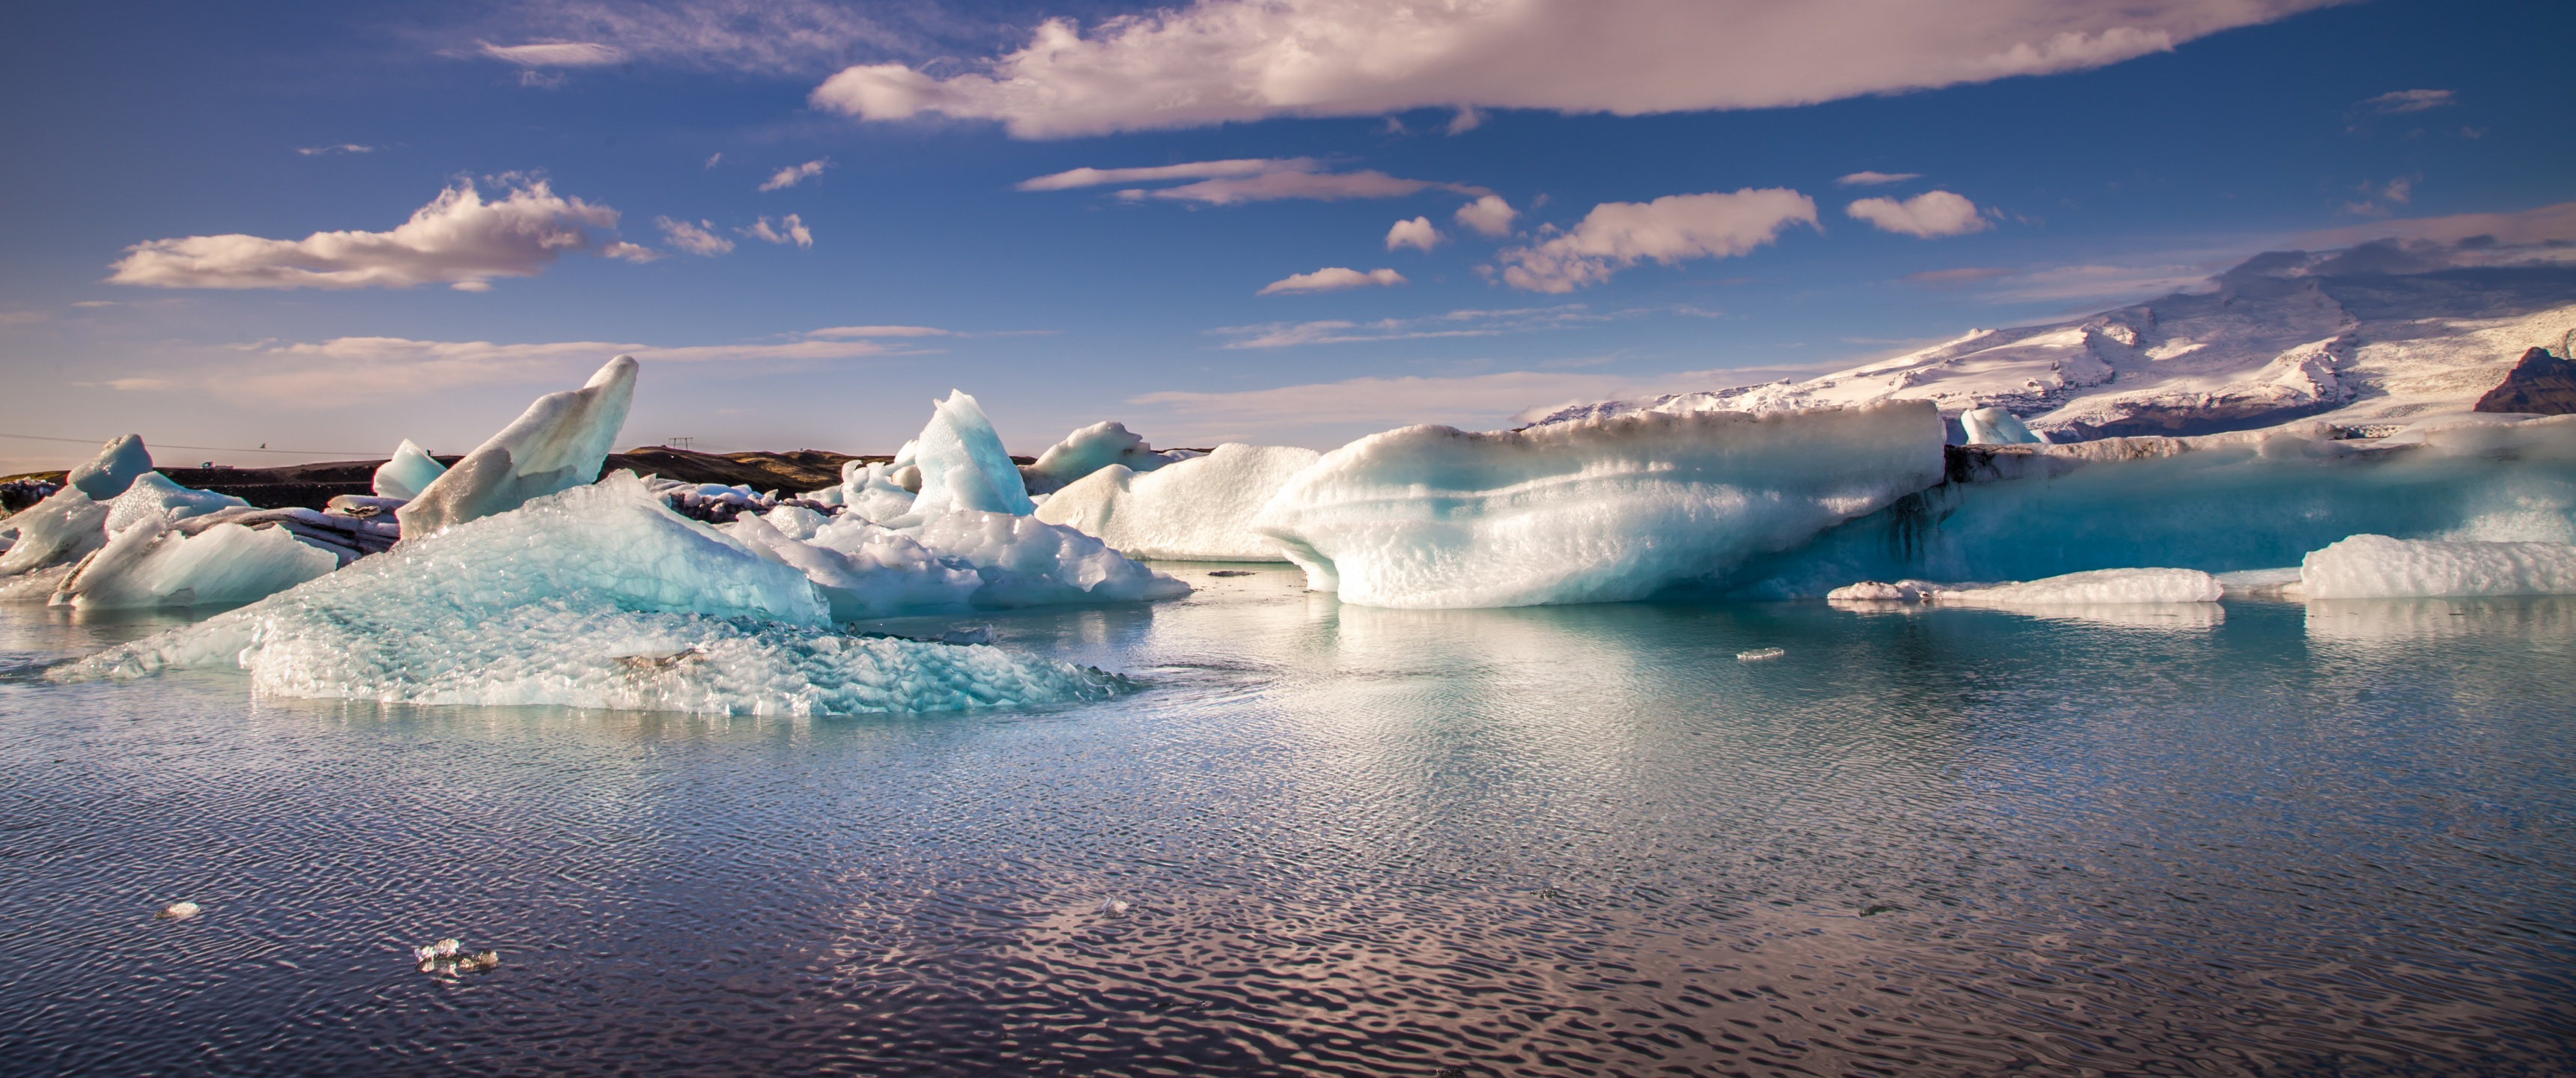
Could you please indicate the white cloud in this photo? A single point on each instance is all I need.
(839, 332)
(630, 252)
(795, 174)
(764, 36)
(555, 54)
(1671, 229)
(791, 229)
(2404, 101)
(345, 147)
(1195, 170)
(697, 239)
(1416, 233)
(1249, 179)
(2552, 224)
(458, 239)
(1489, 215)
(1866, 178)
(1220, 61)
(1928, 215)
(712, 159)
(1331, 279)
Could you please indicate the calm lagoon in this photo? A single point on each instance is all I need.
(2263, 838)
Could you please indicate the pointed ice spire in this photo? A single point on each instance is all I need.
(411, 471)
(115, 468)
(963, 465)
(557, 444)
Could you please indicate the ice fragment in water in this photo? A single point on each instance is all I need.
(1872, 591)
(1591, 509)
(1199, 509)
(1088, 450)
(2098, 587)
(541, 604)
(1759, 655)
(410, 472)
(2379, 567)
(963, 465)
(1994, 426)
(557, 444)
(149, 564)
(177, 911)
(118, 463)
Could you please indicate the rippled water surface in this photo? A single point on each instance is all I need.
(2271, 839)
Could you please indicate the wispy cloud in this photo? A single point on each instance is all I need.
(1071, 179)
(324, 151)
(697, 238)
(1331, 279)
(554, 54)
(2400, 102)
(1873, 179)
(1929, 215)
(1473, 402)
(458, 239)
(790, 229)
(1250, 179)
(1669, 230)
(1464, 323)
(795, 174)
(1956, 278)
(768, 37)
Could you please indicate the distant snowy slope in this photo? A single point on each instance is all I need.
(2363, 338)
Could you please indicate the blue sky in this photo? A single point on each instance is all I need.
(170, 162)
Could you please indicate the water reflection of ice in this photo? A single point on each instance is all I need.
(2423, 620)
(2179, 617)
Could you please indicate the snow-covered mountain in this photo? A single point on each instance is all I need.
(2368, 339)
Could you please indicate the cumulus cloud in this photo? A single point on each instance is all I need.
(790, 229)
(1416, 233)
(1488, 214)
(1220, 61)
(1928, 215)
(630, 252)
(1865, 178)
(458, 239)
(1671, 229)
(2398, 102)
(697, 239)
(1331, 279)
(554, 54)
(794, 174)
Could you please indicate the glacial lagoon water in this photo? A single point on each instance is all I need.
(2263, 838)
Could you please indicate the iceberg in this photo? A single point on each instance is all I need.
(148, 564)
(2379, 567)
(153, 496)
(65, 526)
(558, 443)
(1024, 561)
(410, 472)
(117, 465)
(1200, 509)
(596, 596)
(2095, 587)
(862, 569)
(1088, 450)
(1591, 508)
(869, 490)
(963, 465)
(1994, 426)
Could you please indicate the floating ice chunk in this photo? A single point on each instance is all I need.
(153, 495)
(2095, 587)
(1872, 591)
(550, 604)
(63, 527)
(177, 911)
(862, 569)
(1994, 426)
(1199, 509)
(558, 443)
(1593, 508)
(149, 564)
(870, 492)
(963, 465)
(410, 472)
(795, 521)
(1026, 562)
(117, 465)
(1088, 450)
(2379, 567)
(1759, 655)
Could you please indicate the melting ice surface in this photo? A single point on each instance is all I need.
(598, 596)
(1201, 509)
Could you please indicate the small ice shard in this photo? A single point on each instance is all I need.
(150, 564)
(1088, 450)
(557, 444)
(118, 464)
(63, 527)
(1200, 509)
(154, 495)
(1872, 591)
(1114, 907)
(1994, 426)
(1759, 655)
(1590, 509)
(2379, 567)
(445, 948)
(480, 962)
(2095, 587)
(410, 472)
(963, 465)
(795, 521)
(177, 911)
(982, 634)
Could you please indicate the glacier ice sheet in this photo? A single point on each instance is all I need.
(2380, 567)
(597, 596)
(118, 464)
(963, 465)
(558, 443)
(2216, 505)
(410, 472)
(1088, 450)
(1590, 509)
(1199, 509)
(147, 564)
